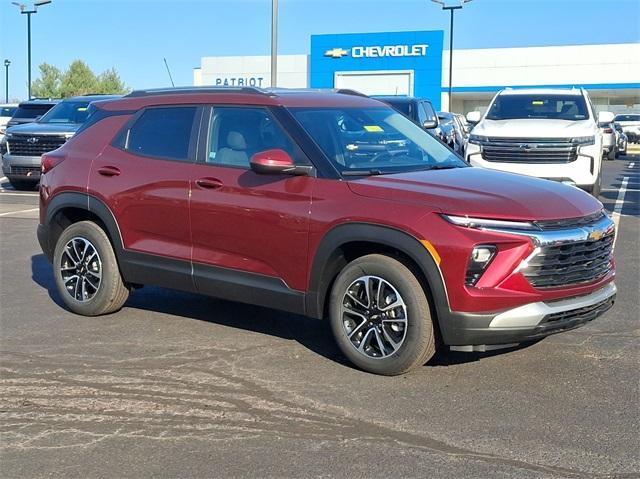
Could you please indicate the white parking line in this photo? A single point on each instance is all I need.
(19, 211)
(14, 193)
(617, 209)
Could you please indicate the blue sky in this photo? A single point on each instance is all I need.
(134, 36)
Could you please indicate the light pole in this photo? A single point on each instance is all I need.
(451, 9)
(25, 11)
(274, 43)
(7, 62)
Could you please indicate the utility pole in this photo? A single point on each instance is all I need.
(274, 43)
(7, 62)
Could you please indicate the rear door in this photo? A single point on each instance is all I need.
(144, 177)
(249, 230)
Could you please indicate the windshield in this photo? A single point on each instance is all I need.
(31, 111)
(67, 112)
(627, 118)
(374, 141)
(553, 107)
(8, 110)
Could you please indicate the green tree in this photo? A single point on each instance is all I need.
(48, 85)
(78, 80)
(109, 83)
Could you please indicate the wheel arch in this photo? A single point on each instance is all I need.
(67, 208)
(345, 242)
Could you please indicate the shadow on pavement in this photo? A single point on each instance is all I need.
(311, 333)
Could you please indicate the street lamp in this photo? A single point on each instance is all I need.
(25, 11)
(7, 62)
(451, 8)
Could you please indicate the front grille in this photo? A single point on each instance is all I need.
(586, 313)
(25, 170)
(33, 145)
(571, 263)
(523, 150)
(570, 222)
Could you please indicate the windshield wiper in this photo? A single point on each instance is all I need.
(442, 167)
(361, 172)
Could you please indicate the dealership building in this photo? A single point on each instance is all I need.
(415, 63)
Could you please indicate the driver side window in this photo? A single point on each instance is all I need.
(236, 134)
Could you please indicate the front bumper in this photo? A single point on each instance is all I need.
(21, 167)
(472, 332)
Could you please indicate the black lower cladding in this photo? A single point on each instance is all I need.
(473, 329)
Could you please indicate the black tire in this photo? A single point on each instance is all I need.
(23, 185)
(612, 154)
(418, 344)
(111, 293)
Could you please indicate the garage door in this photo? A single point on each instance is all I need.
(376, 83)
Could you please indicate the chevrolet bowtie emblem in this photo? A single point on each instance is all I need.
(336, 53)
(595, 235)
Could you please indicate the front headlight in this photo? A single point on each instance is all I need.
(478, 139)
(481, 223)
(584, 140)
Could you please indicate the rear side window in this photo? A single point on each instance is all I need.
(162, 133)
(31, 111)
(7, 110)
(428, 112)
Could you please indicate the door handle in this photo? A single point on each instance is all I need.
(209, 183)
(108, 171)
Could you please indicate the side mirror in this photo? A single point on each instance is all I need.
(277, 162)
(605, 117)
(430, 124)
(474, 117)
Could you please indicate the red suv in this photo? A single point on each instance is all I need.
(327, 204)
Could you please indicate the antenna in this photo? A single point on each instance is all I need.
(169, 72)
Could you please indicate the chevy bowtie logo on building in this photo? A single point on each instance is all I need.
(375, 51)
(336, 53)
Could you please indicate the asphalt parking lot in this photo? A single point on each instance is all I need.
(181, 385)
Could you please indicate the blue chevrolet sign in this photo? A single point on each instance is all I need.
(406, 62)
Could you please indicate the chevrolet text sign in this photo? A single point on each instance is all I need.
(380, 59)
(373, 51)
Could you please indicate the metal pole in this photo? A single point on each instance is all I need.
(450, 58)
(29, 54)
(274, 42)
(6, 83)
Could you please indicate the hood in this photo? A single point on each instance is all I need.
(44, 128)
(482, 193)
(534, 128)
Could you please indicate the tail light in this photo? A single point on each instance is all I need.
(608, 130)
(50, 161)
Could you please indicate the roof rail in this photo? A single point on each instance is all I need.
(349, 91)
(202, 89)
(343, 91)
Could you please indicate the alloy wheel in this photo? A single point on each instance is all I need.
(374, 317)
(81, 269)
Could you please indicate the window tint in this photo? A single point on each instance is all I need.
(31, 111)
(627, 118)
(7, 110)
(561, 107)
(67, 112)
(429, 112)
(239, 133)
(162, 132)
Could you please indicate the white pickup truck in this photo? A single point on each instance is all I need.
(547, 133)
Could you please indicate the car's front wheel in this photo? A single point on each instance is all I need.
(380, 316)
(86, 271)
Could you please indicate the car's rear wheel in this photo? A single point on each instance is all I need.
(612, 154)
(86, 271)
(380, 316)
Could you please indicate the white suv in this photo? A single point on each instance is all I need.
(547, 133)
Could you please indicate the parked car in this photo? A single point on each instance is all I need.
(630, 124)
(24, 144)
(322, 204)
(609, 142)
(456, 133)
(621, 140)
(30, 111)
(419, 110)
(547, 133)
(6, 112)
